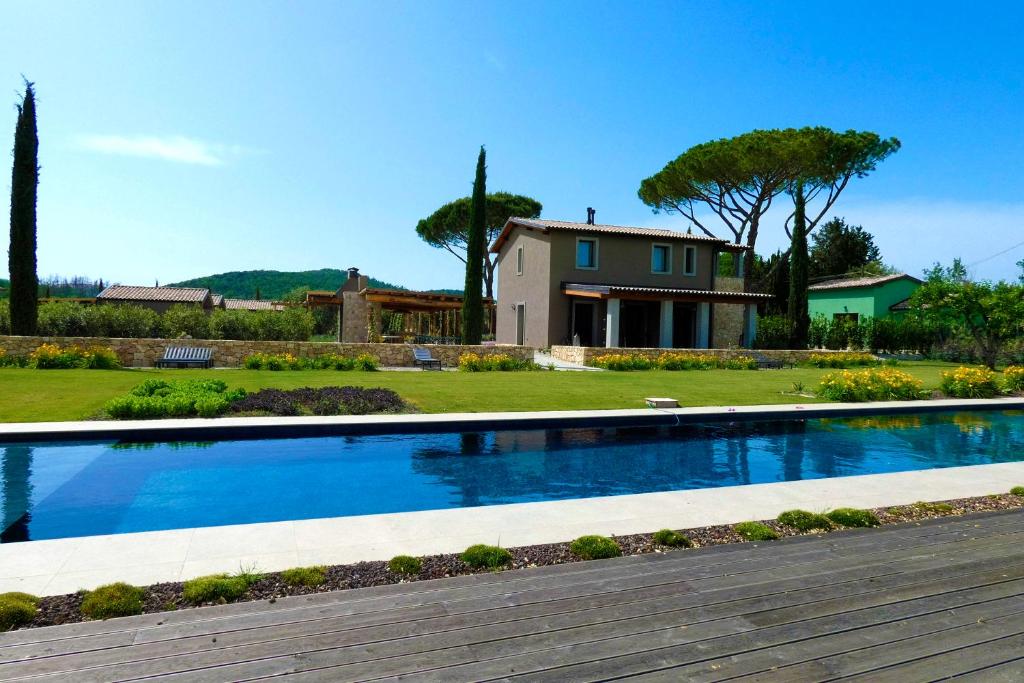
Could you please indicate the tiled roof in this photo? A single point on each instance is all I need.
(846, 283)
(901, 305)
(174, 294)
(666, 291)
(250, 305)
(657, 233)
(217, 299)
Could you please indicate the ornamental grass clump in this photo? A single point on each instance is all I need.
(672, 539)
(671, 360)
(853, 517)
(871, 384)
(328, 361)
(218, 588)
(842, 359)
(113, 600)
(17, 609)
(595, 548)
(309, 577)
(482, 556)
(406, 565)
(804, 520)
(1013, 378)
(755, 531)
(1017, 491)
(622, 362)
(495, 362)
(967, 382)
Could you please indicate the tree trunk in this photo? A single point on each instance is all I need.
(489, 276)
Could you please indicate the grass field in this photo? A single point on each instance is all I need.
(44, 395)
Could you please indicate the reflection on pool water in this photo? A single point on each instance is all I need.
(57, 490)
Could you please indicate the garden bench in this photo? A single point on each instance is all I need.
(186, 357)
(423, 359)
(766, 363)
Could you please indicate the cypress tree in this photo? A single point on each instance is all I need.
(472, 301)
(24, 184)
(799, 319)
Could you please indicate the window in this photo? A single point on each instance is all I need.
(661, 259)
(519, 260)
(689, 260)
(586, 254)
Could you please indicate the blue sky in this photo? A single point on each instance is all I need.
(186, 138)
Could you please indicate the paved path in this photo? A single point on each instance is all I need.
(904, 603)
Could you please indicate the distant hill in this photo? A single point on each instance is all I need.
(273, 284)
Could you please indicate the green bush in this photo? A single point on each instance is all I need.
(933, 508)
(869, 384)
(967, 382)
(497, 362)
(804, 520)
(405, 564)
(1017, 490)
(158, 398)
(113, 600)
(16, 609)
(671, 538)
(486, 556)
(595, 547)
(852, 517)
(5, 316)
(772, 332)
(185, 320)
(215, 588)
(309, 577)
(755, 531)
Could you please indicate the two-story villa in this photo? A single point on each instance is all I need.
(607, 285)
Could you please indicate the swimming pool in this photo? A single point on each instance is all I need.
(60, 490)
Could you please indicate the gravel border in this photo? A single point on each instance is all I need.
(161, 597)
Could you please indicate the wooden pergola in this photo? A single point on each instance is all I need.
(423, 314)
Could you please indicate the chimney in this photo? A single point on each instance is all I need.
(590, 215)
(353, 273)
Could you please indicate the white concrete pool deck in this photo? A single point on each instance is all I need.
(51, 567)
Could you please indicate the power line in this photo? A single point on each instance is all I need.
(997, 254)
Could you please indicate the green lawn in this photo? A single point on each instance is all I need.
(42, 395)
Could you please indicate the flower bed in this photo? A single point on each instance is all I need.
(327, 361)
(872, 384)
(967, 382)
(842, 359)
(156, 398)
(498, 362)
(321, 401)
(671, 360)
(54, 357)
(1013, 378)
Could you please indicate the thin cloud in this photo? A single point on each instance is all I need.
(179, 149)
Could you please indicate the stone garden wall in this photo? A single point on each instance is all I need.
(231, 353)
(581, 354)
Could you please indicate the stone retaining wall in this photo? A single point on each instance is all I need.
(230, 353)
(582, 354)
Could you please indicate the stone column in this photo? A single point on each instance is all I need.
(665, 327)
(611, 338)
(703, 325)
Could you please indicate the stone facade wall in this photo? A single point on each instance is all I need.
(230, 353)
(727, 325)
(354, 318)
(581, 354)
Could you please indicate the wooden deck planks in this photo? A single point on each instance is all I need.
(863, 603)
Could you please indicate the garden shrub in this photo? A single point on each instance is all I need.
(1013, 379)
(671, 538)
(755, 531)
(967, 382)
(8, 360)
(327, 361)
(1017, 490)
(185, 320)
(595, 547)
(772, 332)
(310, 577)
(842, 359)
(405, 564)
(482, 556)
(933, 508)
(157, 398)
(320, 401)
(16, 609)
(671, 360)
(64, 319)
(215, 588)
(496, 362)
(872, 384)
(113, 600)
(5, 316)
(804, 520)
(852, 517)
(54, 357)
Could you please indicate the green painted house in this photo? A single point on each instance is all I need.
(861, 297)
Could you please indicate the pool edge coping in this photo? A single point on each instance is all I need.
(344, 425)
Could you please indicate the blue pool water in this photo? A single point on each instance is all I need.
(76, 489)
